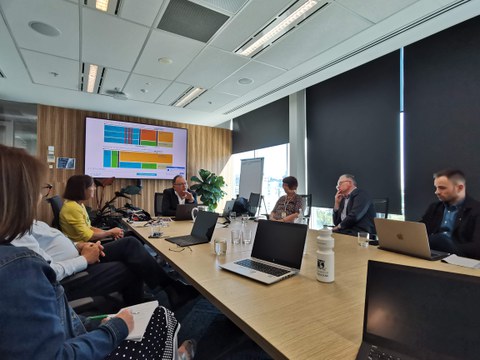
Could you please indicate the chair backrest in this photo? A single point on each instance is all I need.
(381, 207)
(56, 203)
(158, 204)
(254, 203)
(307, 206)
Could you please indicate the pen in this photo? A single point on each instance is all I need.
(98, 317)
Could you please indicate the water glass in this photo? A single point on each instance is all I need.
(220, 246)
(155, 231)
(247, 236)
(362, 238)
(233, 216)
(236, 236)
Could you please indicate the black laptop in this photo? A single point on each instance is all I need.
(414, 313)
(184, 211)
(202, 230)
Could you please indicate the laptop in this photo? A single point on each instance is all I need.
(414, 313)
(202, 230)
(406, 237)
(184, 211)
(228, 208)
(276, 254)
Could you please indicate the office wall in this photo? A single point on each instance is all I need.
(208, 148)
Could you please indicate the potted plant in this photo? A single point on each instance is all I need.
(209, 188)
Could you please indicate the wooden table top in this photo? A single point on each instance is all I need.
(297, 318)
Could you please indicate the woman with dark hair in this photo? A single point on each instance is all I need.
(74, 219)
(288, 206)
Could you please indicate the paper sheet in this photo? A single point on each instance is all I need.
(462, 261)
(142, 314)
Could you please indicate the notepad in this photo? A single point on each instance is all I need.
(142, 313)
(462, 261)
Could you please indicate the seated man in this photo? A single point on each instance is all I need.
(353, 210)
(178, 194)
(122, 265)
(453, 223)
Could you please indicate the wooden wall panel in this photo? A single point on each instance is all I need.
(208, 148)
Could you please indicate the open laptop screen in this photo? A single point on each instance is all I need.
(280, 243)
(204, 225)
(423, 313)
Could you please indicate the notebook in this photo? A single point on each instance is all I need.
(413, 313)
(202, 230)
(276, 254)
(184, 211)
(406, 237)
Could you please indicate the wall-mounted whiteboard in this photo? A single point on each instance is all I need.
(251, 177)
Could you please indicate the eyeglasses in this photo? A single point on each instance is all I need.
(181, 184)
(180, 248)
(46, 190)
(341, 182)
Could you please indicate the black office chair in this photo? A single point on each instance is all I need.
(254, 204)
(56, 203)
(158, 204)
(307, 206)
(381, 207)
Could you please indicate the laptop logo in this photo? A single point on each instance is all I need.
(399, 236)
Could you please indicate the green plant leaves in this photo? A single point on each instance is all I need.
(209, 188)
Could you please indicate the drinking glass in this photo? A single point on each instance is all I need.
(247, 236)
(362, 238)
(236, 236)
(233, 216)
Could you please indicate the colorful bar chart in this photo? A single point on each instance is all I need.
(134, 136)
(136, 160)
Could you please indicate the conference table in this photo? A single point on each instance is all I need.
(299, 317)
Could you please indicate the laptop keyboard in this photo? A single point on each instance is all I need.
(376, 354)
(258, 266)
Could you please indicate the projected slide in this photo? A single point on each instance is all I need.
(133, 150)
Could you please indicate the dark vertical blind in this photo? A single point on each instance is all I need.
(353, 127)
(263, 127)
(442, 112)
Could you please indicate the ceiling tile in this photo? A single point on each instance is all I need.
(174, 91)
(162, 44)
(113, 79)
(105, 39)
(326, 28)
(258, 72)
(43, 68)
(228, 7)
(247, 22)
(143, 12)
(210, 101)
(152, 88)
(57, 13)
(376, 10)
(211, 67)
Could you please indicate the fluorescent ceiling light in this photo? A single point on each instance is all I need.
(189, 97)
(278, 27)
(92, 76)
(102, 5)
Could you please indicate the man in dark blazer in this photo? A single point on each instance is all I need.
(353, 210)
(178, 194)
(453, 223)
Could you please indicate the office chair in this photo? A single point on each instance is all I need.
(56, 203)
(306, 206)
(254, 204)
(381, 207)
(158, 204)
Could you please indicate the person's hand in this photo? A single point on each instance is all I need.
(91, 252)
(188, 196)
(126, 316)
(117, 233)
(338, 199)
(100, 248)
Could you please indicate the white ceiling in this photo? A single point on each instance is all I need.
(340, 36)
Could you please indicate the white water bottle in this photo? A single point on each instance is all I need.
(325, 256)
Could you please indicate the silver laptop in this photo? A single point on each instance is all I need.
(406, 237)
(276, 254)
(228, 208)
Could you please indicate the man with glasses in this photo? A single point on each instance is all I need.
(353, 210)
(178, 194)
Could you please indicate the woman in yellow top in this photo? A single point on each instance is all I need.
(288, 206)
(74, 219)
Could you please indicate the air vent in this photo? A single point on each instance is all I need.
(2, 75)
(191, 20)
(352, 53)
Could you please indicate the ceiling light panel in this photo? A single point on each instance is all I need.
(189, 96)
(91, 78)
(174, 91)
(109, 6)
(279, 26)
